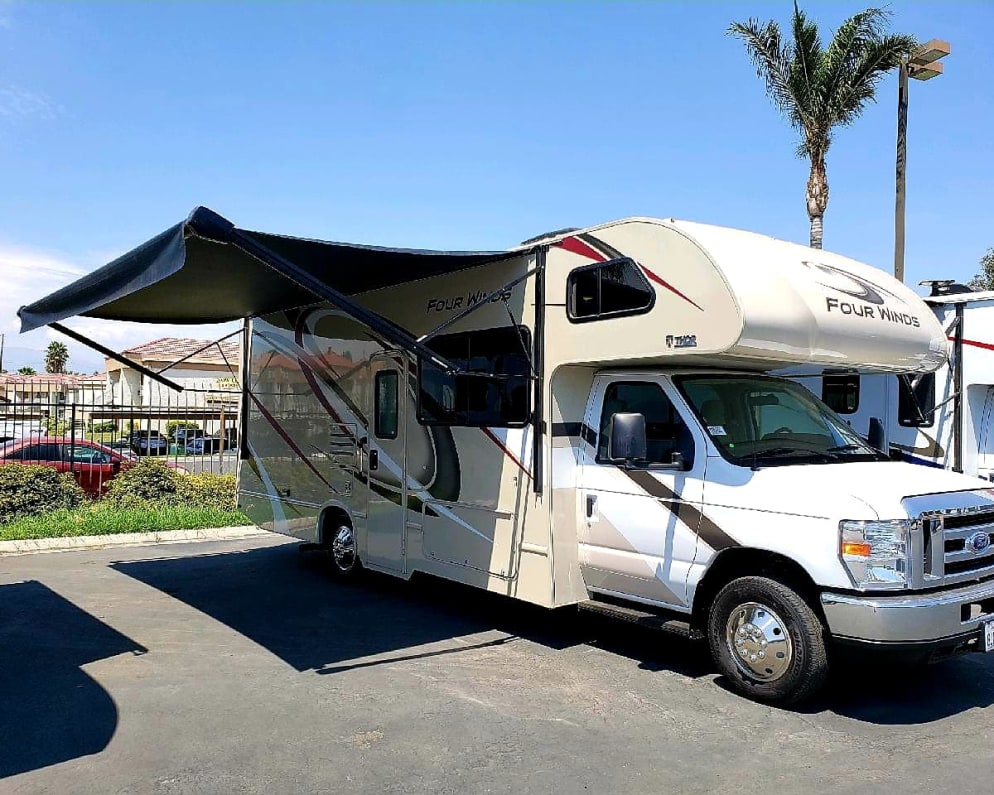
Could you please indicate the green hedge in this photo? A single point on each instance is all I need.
(153, 481)
(150, 485)
(147, 481)
(27, 490)
(174, 425)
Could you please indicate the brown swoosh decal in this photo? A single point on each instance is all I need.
(710, 533)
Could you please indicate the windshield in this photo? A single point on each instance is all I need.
(760, 421)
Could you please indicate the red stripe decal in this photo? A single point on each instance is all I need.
(985, 345)
(493, 438)
(576, 246)
(286, 438)
(663, 283)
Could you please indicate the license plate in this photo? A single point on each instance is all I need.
(987, 636)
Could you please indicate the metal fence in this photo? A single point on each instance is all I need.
(79, 422)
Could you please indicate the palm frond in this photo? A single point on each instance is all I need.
(804, 70)
(859, 75)
(771, 58)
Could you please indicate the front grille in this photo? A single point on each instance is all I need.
(966, 541)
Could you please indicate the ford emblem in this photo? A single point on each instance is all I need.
(978, 542)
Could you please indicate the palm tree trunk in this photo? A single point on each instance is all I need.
(817, 199)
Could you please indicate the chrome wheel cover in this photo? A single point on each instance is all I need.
(343, 549)
(759, 642)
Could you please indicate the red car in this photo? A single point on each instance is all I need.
(92, 464)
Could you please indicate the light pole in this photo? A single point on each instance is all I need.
(922, 64)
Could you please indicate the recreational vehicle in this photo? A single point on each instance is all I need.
(924, 419)
(589, 419)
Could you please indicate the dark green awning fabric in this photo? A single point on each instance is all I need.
(180, 276)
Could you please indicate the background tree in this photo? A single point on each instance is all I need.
(818, 89)
(26, 370)
(56, 357)
(985, 279)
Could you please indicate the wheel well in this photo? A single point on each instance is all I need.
(330, 519)
(746, 562)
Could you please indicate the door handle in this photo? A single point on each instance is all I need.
(374, 460)
(591, 505)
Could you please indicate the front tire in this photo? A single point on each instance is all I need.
(343, 552)
(767, 641)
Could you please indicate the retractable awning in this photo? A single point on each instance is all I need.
(206, 270)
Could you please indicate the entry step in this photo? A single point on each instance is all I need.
(644, 617)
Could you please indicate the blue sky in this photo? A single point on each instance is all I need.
(452, 125)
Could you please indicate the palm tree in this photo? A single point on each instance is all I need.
(818, 89)
(27, 370)
(56, 357)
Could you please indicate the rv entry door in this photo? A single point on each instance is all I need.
(385, 460)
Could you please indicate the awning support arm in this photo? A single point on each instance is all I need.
(210, 225)
(201, 350)
(117, 357)
(478, 305)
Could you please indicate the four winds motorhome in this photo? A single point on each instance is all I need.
(588, 419)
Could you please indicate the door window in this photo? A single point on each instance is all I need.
(36, 452)
(386, 411)
(665, 430)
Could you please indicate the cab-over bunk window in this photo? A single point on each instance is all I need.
(607, 289)
(491, 387)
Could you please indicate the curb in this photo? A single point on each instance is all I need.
(64, 543)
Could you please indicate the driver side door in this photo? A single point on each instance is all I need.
(638, 526)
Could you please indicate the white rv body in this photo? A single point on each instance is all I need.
(931, 440)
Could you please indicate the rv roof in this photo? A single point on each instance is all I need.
(961, 298)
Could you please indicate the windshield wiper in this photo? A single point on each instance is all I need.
(789, 452)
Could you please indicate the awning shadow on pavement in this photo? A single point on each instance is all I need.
(50, 710)
(288, 603)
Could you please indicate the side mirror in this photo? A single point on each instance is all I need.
(628, 441)
(875, 436)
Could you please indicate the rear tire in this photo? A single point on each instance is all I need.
(343, 552)
(767, 641)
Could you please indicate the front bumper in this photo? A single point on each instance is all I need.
(910, 618)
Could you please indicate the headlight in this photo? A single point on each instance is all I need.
(876, 553)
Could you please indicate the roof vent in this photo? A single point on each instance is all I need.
(945, 287)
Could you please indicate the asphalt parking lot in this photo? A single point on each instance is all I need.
(241, 667)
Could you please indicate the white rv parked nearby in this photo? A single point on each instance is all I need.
(590, 419)
(922, 417)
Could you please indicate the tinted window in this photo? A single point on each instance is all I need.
(924, 393)
(385, 426)
(841, 392)
(665, 430)
(492, 386)
(36, 452)
(607, 289)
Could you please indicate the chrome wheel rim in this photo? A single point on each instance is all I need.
(343, 548)
(758, 641)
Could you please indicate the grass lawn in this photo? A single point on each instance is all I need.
(97, 518)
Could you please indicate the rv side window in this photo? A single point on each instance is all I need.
(665, 430)
(385, 426)
(924, 393)
(607, 289)
(492, 387)
(840, 392)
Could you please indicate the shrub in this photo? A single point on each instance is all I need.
(103, 427)
(174, 425)
(27, 490)
(56, 427)
(147, 481)
(207, 490)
